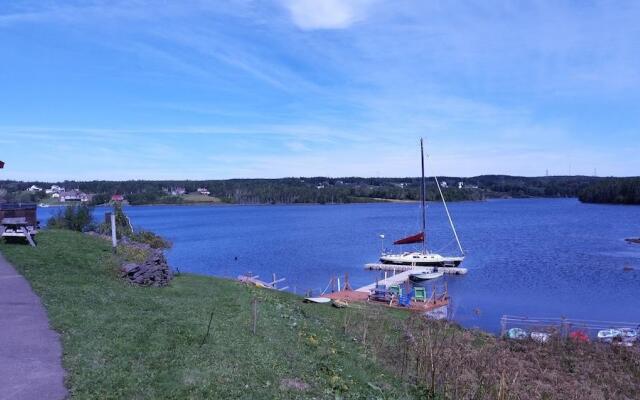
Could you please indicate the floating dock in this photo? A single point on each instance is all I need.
(413, 269)
(388, 281)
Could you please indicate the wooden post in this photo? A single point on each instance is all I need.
(27, 236)
(347, 285)
(254, 304)
(114, 240)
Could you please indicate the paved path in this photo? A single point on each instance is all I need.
(30, 352)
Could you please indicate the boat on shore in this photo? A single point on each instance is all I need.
(424, 257)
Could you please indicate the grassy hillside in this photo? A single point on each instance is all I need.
(124, 342)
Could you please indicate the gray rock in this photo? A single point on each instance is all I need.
(154, 271)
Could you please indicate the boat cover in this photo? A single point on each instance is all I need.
(417, 238)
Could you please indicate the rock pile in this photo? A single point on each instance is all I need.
(154, 271)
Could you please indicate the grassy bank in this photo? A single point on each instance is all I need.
(124, 342)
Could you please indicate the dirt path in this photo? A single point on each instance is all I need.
(30, 351)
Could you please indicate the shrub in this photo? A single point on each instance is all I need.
(75, 218)
(150, 238)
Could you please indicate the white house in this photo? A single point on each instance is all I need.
(443, 184)
(460, 185)
(34, 188)
(177, 191)
(203, 191)
(74, 195)
(54, 189)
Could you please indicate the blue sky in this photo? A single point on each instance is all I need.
(231, 89)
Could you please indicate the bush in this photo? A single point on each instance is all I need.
(151, 239)
(75, 218)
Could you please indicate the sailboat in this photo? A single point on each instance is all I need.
(424, 258)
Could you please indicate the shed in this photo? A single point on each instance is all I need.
(28, 211)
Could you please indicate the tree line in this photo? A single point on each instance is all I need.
(322, 190)
(612, 191)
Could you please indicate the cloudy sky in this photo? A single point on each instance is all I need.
(222, 89)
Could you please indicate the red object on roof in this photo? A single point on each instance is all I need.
(1, 164)
(417, 238)
(117, 197)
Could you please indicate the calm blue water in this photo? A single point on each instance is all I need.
(539, 257)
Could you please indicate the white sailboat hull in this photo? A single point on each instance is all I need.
(418, 259)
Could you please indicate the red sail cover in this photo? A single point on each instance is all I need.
(417, 238)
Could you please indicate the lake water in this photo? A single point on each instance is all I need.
(534, 257)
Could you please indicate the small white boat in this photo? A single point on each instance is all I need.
(439, 313)
(628, 335)
(425, 276)
(607, 335)
(319, 300)
(540, 337)
(517, 334)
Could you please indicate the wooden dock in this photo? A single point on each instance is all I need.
(404, 268)
(391, 280)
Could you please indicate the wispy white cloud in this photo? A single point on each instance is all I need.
(495, 87)
(326, 14)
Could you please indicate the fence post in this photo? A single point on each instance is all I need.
(254, 304)
(114, 240)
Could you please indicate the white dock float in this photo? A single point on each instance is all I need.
(391, 280)
(393, 267)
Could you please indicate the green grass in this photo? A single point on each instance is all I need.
(198, 198)
(125, 342)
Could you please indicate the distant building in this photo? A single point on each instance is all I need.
(320, 187)
(443, 184)
(35, 188)
(55, 195)
(74, 196)
(54, 189)
(177, 191)
(460, 185)
(117, 198)
(203, 191)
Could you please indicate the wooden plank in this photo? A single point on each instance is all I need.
(27, 235)
(14, 221)
(392, 280)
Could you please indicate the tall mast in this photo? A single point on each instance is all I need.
(422, 200)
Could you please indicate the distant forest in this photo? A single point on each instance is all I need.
(612, 191)
(324, 190)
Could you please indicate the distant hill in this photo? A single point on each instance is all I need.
(320, 190)
(612, 191)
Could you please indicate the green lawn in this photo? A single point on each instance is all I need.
(198, 198)
(125, 342)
